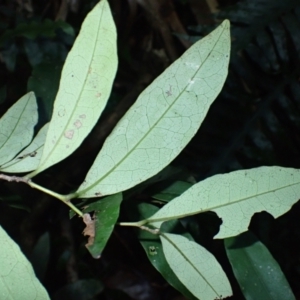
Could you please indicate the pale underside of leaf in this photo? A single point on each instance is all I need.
(163, 119)
(29, 158)
(16, 127)
(153, 247)
(85, 86)
(195, 267)
(17, 278)
(235, 197)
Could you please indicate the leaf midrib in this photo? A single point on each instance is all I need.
(189, 262)
(78, 99)
(82, 192)
(218, 206)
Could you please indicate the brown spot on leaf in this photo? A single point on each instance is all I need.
(33, 154)
(97, 194)
(69, 134)
(169, 92)
(82, 116)
(61, 112)
(77, 124)
(98, 95)
(89, 230)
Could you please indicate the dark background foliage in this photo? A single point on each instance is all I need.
(255, 121)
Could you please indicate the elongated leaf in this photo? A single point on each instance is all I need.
(153, 248)
(17, 278)
(236, 196)
(195, 267)
(85, 86)
(164, 118)
(29, 158)
(16, 127)
(106, 213)
(255, 269)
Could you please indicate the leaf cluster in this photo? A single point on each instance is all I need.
(249, 125)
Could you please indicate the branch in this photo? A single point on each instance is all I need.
(64, 198)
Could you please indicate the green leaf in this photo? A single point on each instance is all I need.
(17, 278)
(105, 217)
(153, 248)
(80, 289)
(255, 269)
(172, 191)
(85, 86)
(29, 158)
(44, 81)
(40, 255)
(34, 29)
(235, 197)
(195, 267)
(16, 127)
(164, 118)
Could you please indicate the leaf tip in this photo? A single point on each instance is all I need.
(226, 23)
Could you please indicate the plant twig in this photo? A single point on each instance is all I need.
(63, 198)
(140, 224)
(13, 178)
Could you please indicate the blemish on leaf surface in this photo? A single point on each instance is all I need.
(169, 92)
(89, 230)
(152, 250)
(77, 124)
(69, 134)
(61, 112)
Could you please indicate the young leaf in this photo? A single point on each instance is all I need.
(17, 278)
(195, 267)
(256, 271)
(106, 213)
(29, 158)
(235, 197)
(164, 118)
(16, 127)
(85, 86)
